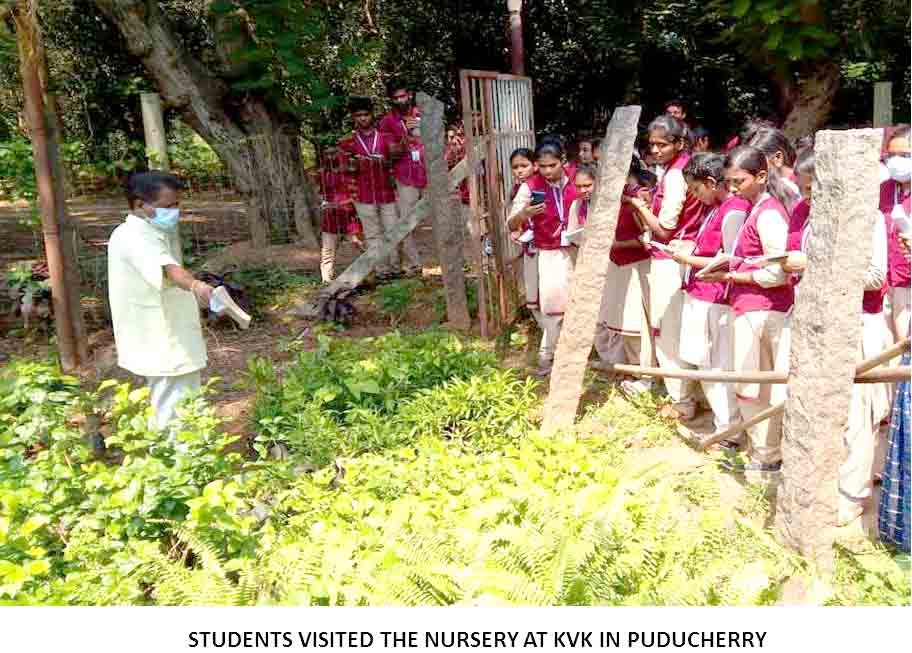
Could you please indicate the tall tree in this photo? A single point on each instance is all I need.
(810, 46)
(241, 74)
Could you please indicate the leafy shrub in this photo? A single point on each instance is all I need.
(395, 298)
(349, 397)
(17, 170)
(455, 500)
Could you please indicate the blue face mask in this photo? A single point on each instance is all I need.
(166, 219)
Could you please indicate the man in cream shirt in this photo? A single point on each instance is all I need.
(154, 300)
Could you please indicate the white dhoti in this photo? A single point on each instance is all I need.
(706, 343)
(870, 404)
(166, 393)
(547, 277)
(665, 303)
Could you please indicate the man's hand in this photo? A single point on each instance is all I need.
(411, 123)
(202, 292)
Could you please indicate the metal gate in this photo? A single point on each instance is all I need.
(498, 118)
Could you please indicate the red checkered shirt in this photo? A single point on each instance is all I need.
(407, 171)
(372, 178)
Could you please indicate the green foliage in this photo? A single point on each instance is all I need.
(17, 172)
(394, 299)
(353, 396)
(464, 504)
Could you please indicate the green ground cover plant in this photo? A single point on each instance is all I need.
(415, 476)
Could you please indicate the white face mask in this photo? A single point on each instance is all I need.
(900, 168)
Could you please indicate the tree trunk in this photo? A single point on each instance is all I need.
(50, 196)
(805, 103)
(256, 142)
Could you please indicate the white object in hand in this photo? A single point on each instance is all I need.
(221, 302)
(527, 236)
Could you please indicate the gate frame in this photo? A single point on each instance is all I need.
(488, 199)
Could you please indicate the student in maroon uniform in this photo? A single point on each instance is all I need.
(338, 210)
(585, 154)
(780, 154)
(620, 336)
(761, 298)
(545, 199)
(367, 152)
(706, 316)
(522, 164)
(401, 125)
(675, 213)
(894, 203)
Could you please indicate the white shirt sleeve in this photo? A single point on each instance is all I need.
(521, 201)
(731, 225)
(148, 256)
(877, 268)
(673, 199)
(773, 232)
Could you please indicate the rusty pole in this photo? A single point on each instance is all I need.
(517, 54)
(26, 20)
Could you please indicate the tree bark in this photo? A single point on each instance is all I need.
(805, 103)
(50, 195)
(258, 144)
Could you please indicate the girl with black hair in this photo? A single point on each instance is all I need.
(780, 154)
(761, 298)
(706, 316)
(675, 213)
(544, 200)
(622, 316)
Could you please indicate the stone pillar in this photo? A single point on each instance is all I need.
(883, 104)
(580, 320)
(154, 127)
(826, 329)
(448, 229)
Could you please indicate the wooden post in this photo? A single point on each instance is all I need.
(824, 343)
(580, 319)
(154, 128)
(28, 37)
(448, 228)
(883, 104)
(517, 51)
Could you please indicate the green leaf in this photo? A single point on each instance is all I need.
(740, 8)
(33, 523)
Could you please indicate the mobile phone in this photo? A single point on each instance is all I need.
(538, 197)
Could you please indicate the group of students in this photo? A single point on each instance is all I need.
(372, 179)
(704, 270)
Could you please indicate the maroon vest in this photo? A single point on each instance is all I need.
(748, 298)
(708, 244)
(691, 213)
(627, 229)
(897, 264)
(547, 226)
